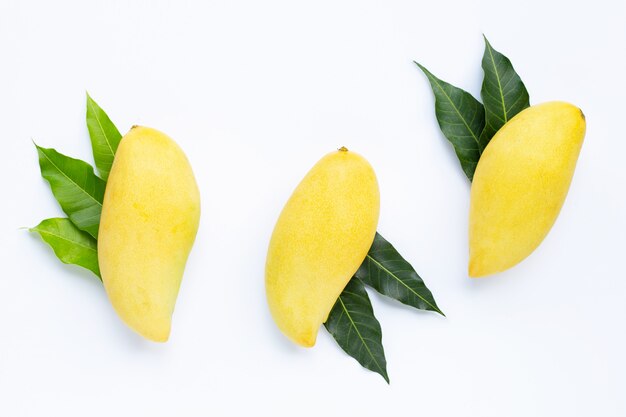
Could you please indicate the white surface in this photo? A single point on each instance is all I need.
(256, 92)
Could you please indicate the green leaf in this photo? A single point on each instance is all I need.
(385, 270)
(353, 325)
(461, 118)
(70, 245)
(503, 92)
(105, 138)
(75, 186)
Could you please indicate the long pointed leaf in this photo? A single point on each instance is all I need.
(503, 92)
(105, 138)
(385, 270)
(70, 245)
(75, 186)
(461, 118)
(353, 325)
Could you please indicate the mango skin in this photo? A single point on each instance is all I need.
(150, 217)
(321, 238)
(520, 184)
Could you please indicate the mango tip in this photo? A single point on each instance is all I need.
(155, 333)
(307, 341)
(158, 338)
(474, 270)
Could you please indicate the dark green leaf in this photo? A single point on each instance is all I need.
(75, 186)
(503, 92)
(70, 245)
(390, 274)
(353, 325)
(105, 138)
(461, 118)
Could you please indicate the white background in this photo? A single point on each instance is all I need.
(255, 93)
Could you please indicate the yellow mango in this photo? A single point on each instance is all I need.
(520, 184)
(320, 239)
(149, 221)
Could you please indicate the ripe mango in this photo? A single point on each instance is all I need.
(150, 217)
(520, 184)
(320, 239)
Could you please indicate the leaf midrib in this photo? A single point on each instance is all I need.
(356, 329)
(402, 282)
(45, 232)
(495, 70)
(70, 180)
(106, 138)
(456, 110)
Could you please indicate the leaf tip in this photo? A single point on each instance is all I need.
(40, 149)
(420, 66)
(386, 378)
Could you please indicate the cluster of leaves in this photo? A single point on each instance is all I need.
(79, 192)
(468, 124)
(352, 322)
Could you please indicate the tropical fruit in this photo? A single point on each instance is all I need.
(520, 184)
(321, 238)
(150, 217)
